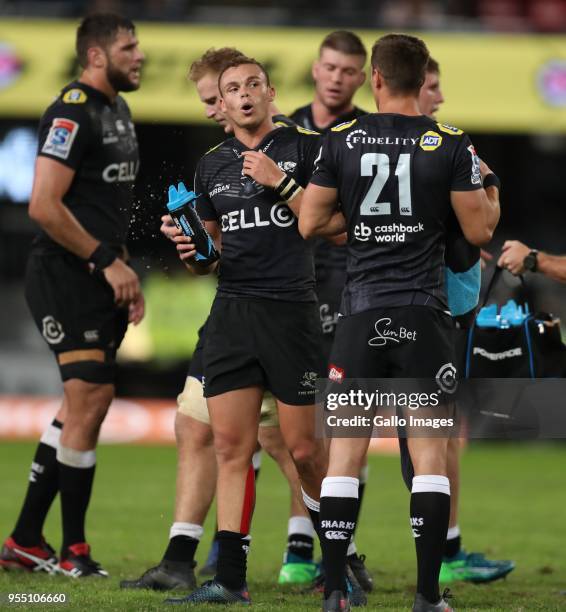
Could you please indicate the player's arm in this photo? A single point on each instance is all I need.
(51, 182)
(263, 170)
(319, 214)
(476, 207)
(186, 249)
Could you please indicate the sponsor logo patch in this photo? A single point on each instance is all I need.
(336, 374)
(430, 141)
(449, 129)
(75, 96)
(60, 138)
(475, 177)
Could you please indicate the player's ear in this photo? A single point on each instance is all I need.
(222, 103)
(314, 69)
(271, 93)
(96, 57)
(362, 77)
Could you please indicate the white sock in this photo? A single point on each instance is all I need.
(190, 530)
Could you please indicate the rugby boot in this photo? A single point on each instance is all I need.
(167, 576)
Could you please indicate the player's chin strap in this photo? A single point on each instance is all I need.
(494, 278)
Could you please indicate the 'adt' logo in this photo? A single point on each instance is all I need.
(430, 141)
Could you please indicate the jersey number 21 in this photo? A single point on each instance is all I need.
(370, 205)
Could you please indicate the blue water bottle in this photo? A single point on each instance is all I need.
(182, 208)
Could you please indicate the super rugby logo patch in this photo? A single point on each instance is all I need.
(60, 138)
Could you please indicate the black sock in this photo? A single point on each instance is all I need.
(42, 488)
(338, 510)
(181, 549)
(232, 559)
(452, 546)
(300, 545)
(430, 512)
(75, 485)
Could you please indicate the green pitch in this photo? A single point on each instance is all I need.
(513, 503)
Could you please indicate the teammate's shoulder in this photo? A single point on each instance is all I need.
(305, 131)
(449, 129)
(216, 148)
(344, 126)
(281, 120)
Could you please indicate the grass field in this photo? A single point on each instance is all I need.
(513, 506)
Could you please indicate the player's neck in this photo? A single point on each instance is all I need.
(324, 116)
(252, 137)
(98, 81)
(399, 105)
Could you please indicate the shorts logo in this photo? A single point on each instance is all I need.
(52, 330)
(60, 138)
(328, 319)
(385, 334)
(430, 141)
(446, 378)
(336, 374)
(309, 380)
(91, 335)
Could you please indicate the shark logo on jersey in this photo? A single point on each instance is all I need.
(287, 166)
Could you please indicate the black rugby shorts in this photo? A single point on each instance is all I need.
(73, 308)
(269, 343)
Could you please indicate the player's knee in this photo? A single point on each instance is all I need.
(192, 434)
(87, 401)
(230, 448)
(304, 453)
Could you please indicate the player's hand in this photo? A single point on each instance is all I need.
(124, 282)
(485, 257)
(136, 310)
(185, 248)
(513, 254)
(262, 169)
(168, 227)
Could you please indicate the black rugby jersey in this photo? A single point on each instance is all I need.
(329, 259)
(394, 174)
(84, 130)
(303, 117)
(263, 254)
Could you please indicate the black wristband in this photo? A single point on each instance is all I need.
(102, 257)
(491, 180)
(288, 188)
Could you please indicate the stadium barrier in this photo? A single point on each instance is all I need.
(129, 421)
(493, 82)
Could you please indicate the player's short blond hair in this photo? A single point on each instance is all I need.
(212, 61)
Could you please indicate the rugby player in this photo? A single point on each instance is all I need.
(81, 292)
(263, 328)
(463, 282)
(395, 169)
(196, 466)
(337, 73)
